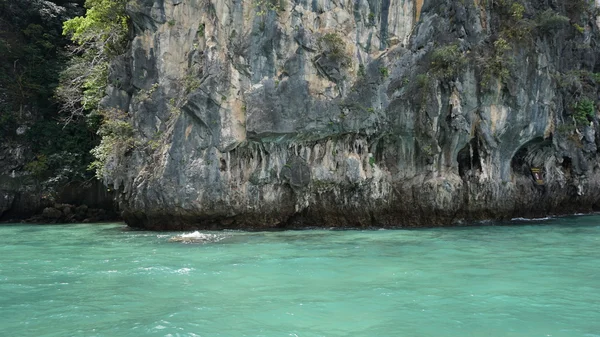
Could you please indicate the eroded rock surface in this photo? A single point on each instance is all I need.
(263, 114)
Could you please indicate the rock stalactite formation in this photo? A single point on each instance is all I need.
(295, 113)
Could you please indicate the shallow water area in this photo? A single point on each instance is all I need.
(532, 279)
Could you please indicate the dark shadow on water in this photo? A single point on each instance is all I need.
(516, 222)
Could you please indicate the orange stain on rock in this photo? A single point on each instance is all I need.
(188, 130)
(418, 6)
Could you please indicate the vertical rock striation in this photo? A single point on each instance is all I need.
(281, 113)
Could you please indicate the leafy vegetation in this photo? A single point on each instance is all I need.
(30, 61)
(497, 66)
(362, 72)
(549, 21)
(117, 141)
(333, 47)
(100, 36)
(32, 56)
(384, 72)
(584, 111)
(446, 61)
(578, 87)
(518, 26)
(513, 26)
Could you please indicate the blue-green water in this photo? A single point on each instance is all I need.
(530, 280)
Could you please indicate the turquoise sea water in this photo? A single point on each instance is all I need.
(535, 279)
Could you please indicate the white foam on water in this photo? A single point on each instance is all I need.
(197, 237)
(531, 219)
(153, 268)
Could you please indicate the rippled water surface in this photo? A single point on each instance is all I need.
(534, 279)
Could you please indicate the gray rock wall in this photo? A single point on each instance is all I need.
(280, 113)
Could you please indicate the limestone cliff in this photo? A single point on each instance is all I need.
(294, 113)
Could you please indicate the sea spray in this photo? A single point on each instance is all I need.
(197, 237)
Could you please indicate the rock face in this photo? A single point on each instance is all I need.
(23, 196)
(294, 113)
(67, 213)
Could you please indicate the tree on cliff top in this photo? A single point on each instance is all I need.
(103, 28)
(99, 35)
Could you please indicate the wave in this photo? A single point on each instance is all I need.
(197, 237)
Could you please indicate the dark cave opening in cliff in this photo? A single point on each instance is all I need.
(469, 159)
(517, 163)
(530, 155)
(567, 165)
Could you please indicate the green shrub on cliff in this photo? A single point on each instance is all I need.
(117, 141)
(499, 64)
(38, 166)
(333, 47)
(103, 28)
(262, 7)
(584, 110)
(446, 61)
(549, 20)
